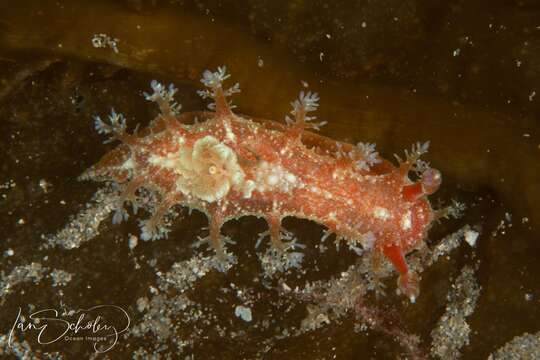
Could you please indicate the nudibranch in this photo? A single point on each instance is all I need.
(228, 166)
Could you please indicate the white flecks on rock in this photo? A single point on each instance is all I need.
(85, 225)
(60, 277)
(44, 185)
(132, 242)
(471, 236)
(104, 41)
(243, 313)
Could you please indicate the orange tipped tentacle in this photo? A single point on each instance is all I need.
(407, 281)
(394, 254)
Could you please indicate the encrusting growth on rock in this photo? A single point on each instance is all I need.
(229, 166)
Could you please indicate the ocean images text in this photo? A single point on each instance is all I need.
(52, 325)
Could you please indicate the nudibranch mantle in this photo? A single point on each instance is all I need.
(229, 166)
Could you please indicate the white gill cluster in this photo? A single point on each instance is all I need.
(207, 171)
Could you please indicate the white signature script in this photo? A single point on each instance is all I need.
(51, 327)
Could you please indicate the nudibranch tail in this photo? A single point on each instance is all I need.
(231, 166)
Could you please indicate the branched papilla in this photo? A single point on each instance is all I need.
(285, 236)
(127, 195)
(150, 230)
(454, 210)
(214, 82)
(217, 242)
(417, 150)
(215, 79)
(344, 158)
(201, 240)
(223, 259)
(326, 234)
(164, 97)
(412, 157)
(306, 103)
(115, 127)
(457, 209)
(353, 244)
(289, 257)
(368, 156)
(283, 255)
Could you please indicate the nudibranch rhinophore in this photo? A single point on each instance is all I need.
(228, 166)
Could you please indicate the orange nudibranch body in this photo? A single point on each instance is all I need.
(229, 166)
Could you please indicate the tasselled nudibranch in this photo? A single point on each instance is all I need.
(229, 166)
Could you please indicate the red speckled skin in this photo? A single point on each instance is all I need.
(328, 187)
